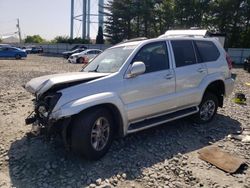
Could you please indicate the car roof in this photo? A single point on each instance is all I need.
(137, 43)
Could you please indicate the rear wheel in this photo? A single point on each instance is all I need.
(207, 108)
(17, 56)
(80, 60)
(92, 133)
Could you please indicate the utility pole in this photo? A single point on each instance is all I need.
(88, 19)
(84, 16)
(19, 30)
(72, 19)
(100, 12)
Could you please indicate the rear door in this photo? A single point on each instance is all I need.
(189, 72)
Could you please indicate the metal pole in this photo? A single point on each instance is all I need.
(88, 20)
(100, 13)
(84, 9)
(72, 20)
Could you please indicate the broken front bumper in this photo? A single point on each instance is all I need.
(51, 127)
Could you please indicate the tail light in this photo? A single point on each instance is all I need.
(229, 61)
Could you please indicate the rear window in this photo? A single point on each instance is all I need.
(207, 50)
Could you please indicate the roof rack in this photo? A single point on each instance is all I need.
(134, 40)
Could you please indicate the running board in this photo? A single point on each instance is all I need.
(148, 123)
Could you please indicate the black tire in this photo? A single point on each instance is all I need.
(209, 99)
(79, 60)
(245, 66)
(84, 125)
(17, 56)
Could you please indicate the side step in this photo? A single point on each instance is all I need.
(134, 127)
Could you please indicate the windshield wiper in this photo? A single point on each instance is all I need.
(95, 70)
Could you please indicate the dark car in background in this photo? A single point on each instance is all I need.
(36, 50)
(67, 54)
(78, 46)
(12, 52)
(33, 49)
(247, 64)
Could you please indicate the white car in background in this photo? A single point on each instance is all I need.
(84, 57)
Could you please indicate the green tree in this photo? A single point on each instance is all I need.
(66, 39)
(150, 18)
(118, 24)
(99, 37)
(34, 39)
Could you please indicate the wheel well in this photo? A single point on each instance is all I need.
(217, 88)
(114, 112)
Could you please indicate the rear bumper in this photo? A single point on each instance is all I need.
(229, 86)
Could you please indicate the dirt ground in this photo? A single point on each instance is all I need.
(164, 157)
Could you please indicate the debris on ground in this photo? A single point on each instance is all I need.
(240, 98)
(243, 136)
(221, 159)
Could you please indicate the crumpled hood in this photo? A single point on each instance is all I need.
(44, 83)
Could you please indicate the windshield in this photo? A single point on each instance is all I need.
(110, 60)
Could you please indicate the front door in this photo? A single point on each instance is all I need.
(150, 93)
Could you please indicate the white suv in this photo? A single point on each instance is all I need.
(130, 87)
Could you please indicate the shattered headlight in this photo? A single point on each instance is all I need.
(52, 100)
(45, 107)
(43, 111)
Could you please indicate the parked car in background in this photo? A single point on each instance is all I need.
(12, 52)
(27, 49)
(69, 53)
(84, 57)
(247, 64)
(33, 49)
(78, 46)
(36, 49)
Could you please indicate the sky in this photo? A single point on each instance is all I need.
(47, 18)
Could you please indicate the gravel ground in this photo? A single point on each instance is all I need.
(165, 156)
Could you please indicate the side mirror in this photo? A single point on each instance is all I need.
(137, 68)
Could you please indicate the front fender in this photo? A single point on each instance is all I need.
(78, 105)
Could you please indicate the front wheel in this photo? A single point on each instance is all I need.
(207, 108)
(92, 133)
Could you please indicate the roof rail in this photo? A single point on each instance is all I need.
(133, 40)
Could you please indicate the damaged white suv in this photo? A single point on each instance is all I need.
(130, 87)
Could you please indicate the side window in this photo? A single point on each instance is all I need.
(183, 52)
(155, 57)
(207, 50)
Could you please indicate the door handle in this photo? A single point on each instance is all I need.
(169, 76)
(201, 70)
